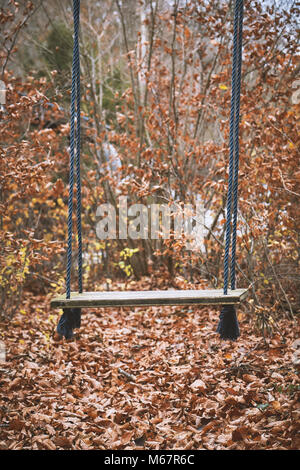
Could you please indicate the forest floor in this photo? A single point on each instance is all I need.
(147, 378)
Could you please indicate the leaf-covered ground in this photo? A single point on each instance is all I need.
(155, 378)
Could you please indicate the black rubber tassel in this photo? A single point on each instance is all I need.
(228, 326)
(70, 319)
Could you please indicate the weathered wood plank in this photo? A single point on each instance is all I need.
(155, 297)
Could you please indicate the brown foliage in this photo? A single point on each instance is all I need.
(152, 378)
(31, 196)
(170, 131)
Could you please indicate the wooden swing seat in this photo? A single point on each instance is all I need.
(149, 298)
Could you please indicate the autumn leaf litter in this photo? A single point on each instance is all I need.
(155, 378)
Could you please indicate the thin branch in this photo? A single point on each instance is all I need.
(278, 280)
(13, 43)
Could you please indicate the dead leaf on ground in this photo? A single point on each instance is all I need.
(198, 386)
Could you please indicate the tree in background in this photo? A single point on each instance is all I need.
(156, 99)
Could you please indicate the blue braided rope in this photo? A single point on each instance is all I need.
(71, 177)
(78, 133)
(232, 128)
(75, 102)
(236, 144)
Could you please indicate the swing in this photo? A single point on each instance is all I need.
(72, 302)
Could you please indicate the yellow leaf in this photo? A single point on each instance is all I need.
(48, 237)
(47, 337)
(99, 246)
(223, 87)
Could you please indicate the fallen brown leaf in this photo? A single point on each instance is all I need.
(249, 378)
(16, 424)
